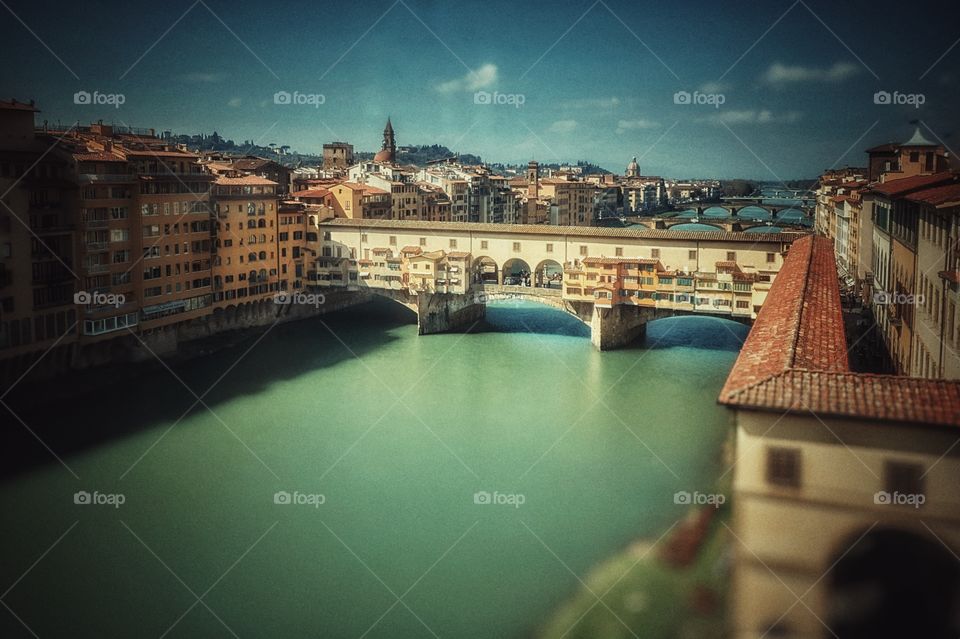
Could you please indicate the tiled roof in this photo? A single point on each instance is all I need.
(795, 357)
(896, 188)
(946, 194)
(891, 398)
(244, 180)
(561, 231)
(98, 156)
(311, 193)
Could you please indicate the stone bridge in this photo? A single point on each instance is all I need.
(613, 280)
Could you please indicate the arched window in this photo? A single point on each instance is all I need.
(261, 223)
(252, 257)
(251, 208)
(263, 255)
(252, 240)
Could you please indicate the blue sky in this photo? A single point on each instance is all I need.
(597, 80)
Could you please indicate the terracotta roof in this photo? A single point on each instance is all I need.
(896, 188)
(786, 332)
(411, 249)
(458, 255)
(795, 357)
(98, 156)
(891, 398)
(946, 194)
(311, 193)
(244, 180)
(562, 231)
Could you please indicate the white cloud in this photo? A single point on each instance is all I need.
(204, 78)
(635, 125)
(480, 78)
(780, 73)
(563, 126)
(593, 103)
(752, 116)
(715, 87)
(235, 102)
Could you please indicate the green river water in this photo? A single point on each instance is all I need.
(398, 434)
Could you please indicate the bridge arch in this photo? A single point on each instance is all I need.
(485, 270)
(548, 274)
(913, 581)
(516, 270)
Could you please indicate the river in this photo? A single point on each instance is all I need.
(384, 441)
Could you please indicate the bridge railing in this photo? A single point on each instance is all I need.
(518, 290)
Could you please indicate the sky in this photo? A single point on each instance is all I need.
(774, 90)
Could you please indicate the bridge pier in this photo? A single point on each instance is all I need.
(617, 326)
(444, 312)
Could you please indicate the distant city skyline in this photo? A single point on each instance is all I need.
(785, 89)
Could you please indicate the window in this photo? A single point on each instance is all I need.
(771, 258)
(731, 256)
(393, 240)
(453, 244)
(516, 246)
(655, 254)
(423, 241)
(783, 467)
(549, 248)
(583, 249)
(903, 478)
(618, 251)
(743, 304)
(363, 237)
(483, 244)
(692, 254)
